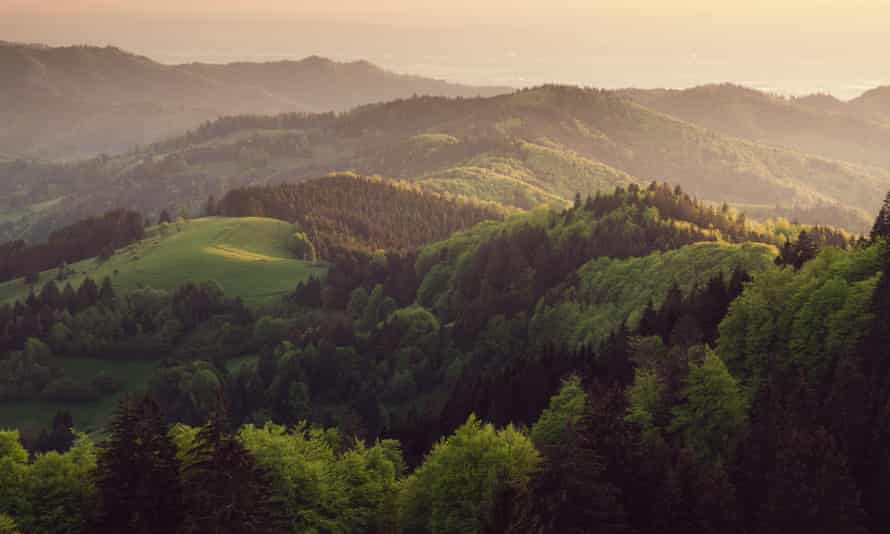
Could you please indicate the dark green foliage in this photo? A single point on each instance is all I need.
(881, 228)
(59, 438)
(226, 491)
(807, 246)
(138, 474)
(572, 493)
(810, 488)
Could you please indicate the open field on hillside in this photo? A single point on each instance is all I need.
(248, 257)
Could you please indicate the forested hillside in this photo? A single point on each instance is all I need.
(78, 101)
(342, 213)
(534, 147)
(638, 362)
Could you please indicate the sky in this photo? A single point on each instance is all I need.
(784, 46)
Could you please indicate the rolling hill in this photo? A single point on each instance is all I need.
(248, 257)
(537, 146)
(78, 101)
(816, 125)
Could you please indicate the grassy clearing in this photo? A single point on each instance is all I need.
(248, 257)
(29, 416)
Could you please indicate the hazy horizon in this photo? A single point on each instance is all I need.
(789, 46)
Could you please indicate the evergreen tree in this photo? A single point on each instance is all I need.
(226, 490)
(571, 493)
(138, 473)
(106, 292)
(211, 206)
(810, 489)
(881, 228)
(60, 438)
(806, 249)
(87, 294)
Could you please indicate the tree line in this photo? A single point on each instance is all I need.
(90, 237)
(346, 212)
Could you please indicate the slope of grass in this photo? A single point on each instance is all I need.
(248, 257)
(30, 416)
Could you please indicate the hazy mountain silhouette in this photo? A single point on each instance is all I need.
(81, 100)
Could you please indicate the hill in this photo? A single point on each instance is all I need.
(78, 101)
(248, 257)
(350, 213)
(641, 347)
(813, 125)
(874, 103)
(539, 146)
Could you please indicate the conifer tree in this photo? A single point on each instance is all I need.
(138, 473)
(106, 292)
(226, 490)
(571, 493)
(881, 228)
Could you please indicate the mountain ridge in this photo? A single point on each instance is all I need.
(531, 147)
(78, 101)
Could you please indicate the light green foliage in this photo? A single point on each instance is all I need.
(802, 317)
(714, 409)
(59, 487)
(7, 525)
(456, 485)
(327, 491)
(644, 399)
(13, 474)
(564, 412)
(183, 437)
(47, 496)
(248, 257)
(611, 291)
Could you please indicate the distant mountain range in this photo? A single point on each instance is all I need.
(78, 101)
(531, 147)
(857, 131)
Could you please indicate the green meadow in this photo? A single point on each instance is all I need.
(248, 257)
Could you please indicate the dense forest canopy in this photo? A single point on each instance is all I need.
(640, 361)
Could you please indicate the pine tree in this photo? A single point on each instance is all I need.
(805, 249)
(138, 473)
(87, 294)
(810, 489)
(106, 292)
(226, 490)
(881, 228)
(571, 493)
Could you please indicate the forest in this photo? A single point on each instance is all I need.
(639, 361)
